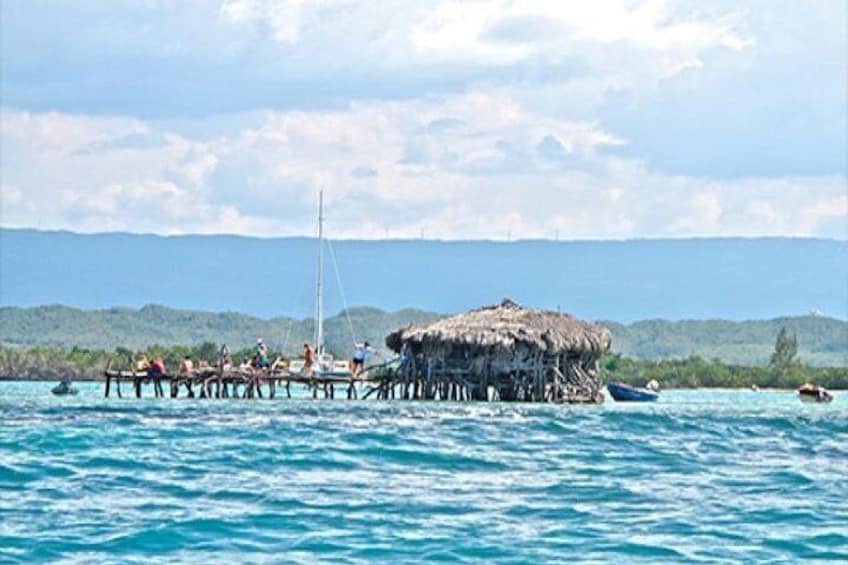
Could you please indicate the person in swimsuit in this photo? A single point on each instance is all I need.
(308, 359)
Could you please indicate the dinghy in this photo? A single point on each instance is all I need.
(626, 393)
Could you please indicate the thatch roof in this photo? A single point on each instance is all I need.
(506, 325)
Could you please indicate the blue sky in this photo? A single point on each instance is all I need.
(610, 119)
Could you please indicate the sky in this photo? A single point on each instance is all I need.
(443, 119)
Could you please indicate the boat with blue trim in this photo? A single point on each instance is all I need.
(626, 393)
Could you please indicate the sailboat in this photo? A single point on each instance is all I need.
(325, 367)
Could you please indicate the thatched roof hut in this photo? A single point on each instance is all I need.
(525, 354)
(505, 326)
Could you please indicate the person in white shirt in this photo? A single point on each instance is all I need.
(357, 365)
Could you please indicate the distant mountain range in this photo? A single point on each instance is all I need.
(822, 341)
(733, 279)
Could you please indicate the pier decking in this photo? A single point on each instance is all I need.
(231, 384)
(387, 383)
(383, 382)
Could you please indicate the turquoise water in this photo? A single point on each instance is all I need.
(699, 476)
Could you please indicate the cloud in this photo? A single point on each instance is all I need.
(499, 169)
(502, 32)
(775, 109)
(101, 173)
(461, 119)
(282, 17)
(152, 58)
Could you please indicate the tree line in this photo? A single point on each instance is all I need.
(822, 341)
(785, 368)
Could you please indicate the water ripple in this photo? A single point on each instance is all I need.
(699, 476)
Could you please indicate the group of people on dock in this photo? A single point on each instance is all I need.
(260, 361)
(356, 365)
(152, 368)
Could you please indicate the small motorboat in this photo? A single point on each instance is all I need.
(65, 386)
(64, 389)
(814, 393)
(626, 393)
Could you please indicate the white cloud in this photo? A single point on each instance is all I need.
(506, 31)
(461, 119)
(471, 166)
(651, 40)
(101, 173)
(283, 18)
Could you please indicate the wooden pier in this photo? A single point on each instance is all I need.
(380, 383)
(390, 381)
(503, 352)
(232, 384)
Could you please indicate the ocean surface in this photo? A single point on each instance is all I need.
(699, 476)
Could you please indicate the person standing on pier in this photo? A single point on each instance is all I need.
(357, 365)
(261, 354)
(225, 363)
(405, 356)
(308, 359)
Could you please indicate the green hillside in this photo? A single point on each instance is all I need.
(137, 329)
(822, 341)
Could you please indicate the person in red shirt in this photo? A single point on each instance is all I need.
(157, 367)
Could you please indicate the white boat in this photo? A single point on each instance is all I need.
(325, 366)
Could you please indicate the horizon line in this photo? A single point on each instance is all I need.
(349, 309)
(434, 239)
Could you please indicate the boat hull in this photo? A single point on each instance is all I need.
(812, 398)
(625, 393)
(812, 393)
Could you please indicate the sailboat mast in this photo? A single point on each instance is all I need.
(319, 314)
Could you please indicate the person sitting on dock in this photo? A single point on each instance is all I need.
(187, 366)
(226, 363)
(357, 365)
(280, 364)
(157, 368)
(141, 362)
